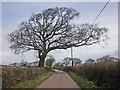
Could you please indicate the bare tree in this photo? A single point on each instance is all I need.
(90, 61)
(58, 65)
(106, 58)
(76, 61)
(52, 29)
(49, 61)
(66, 61)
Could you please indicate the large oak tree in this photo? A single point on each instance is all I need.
(52, 29)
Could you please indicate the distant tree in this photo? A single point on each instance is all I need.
(13, 64)
(52, 29)
(66, 61)
(58, 65)
(90, 61)
(35, 63)
(23, 63)
(76, 61)
(106, 58)
(114, 59)
(49, 61)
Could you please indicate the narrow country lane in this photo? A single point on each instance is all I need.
(59, 79)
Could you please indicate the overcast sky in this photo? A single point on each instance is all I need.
(14, 13)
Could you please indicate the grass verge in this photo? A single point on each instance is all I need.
(82, 82)
(30, 84)
(0, 81)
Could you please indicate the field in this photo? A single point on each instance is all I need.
(13, 76)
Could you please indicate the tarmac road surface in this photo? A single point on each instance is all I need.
(59, 79)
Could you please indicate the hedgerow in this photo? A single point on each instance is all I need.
(103, 74)
(15, 75)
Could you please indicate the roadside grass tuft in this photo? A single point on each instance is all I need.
(30, 84)
(82, 82)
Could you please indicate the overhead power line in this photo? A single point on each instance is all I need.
(101, 12)
(92, 23)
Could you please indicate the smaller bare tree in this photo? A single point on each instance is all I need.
(66, 61)
(76, 61)
(106, 58)
(49, 61)
(58, 65)
(90, 61)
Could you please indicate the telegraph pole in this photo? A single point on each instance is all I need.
(72, 55)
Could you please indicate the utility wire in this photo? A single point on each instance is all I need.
(92, 23)
(101, 12)
(99, 15)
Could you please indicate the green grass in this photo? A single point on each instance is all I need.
(82, 82)
(32, 83)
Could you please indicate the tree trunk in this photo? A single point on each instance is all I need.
(41, 59)
(72, 56)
